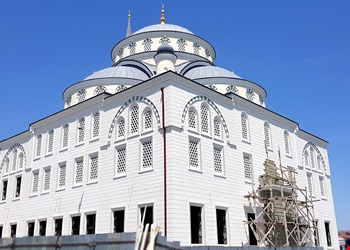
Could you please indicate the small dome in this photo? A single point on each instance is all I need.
(165, 48)
(163, 26)
(208, 72)
(119, 71)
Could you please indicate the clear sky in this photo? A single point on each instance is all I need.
(298, 50)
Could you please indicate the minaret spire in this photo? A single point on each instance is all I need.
(128, 29)
(162, 19)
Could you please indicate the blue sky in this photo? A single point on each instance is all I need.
(298, 50)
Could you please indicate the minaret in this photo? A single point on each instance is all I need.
(128, 29)
(162, 18)
(165, 57)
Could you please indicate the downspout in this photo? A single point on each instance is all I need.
(164, 153)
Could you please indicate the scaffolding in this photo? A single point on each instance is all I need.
(284, 214)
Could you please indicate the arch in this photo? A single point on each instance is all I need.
(310, 144)
(147, 119)
(205, 118)
(217, 127)
(193, 118)
(18, 147)
(120, 130)
(134, 119)
(100, 89)
(126, 104)
(212, 105)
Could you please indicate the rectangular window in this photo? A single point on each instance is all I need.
(147, 212)
(75, 225)
(93, 168)
(50, 141)
(252, 238)
(194, 153)
(247, 161)
(1, 228)
(13, 230)
(62, 175)
(81, 130)
(221, 226)
(310, 184)
(328, 234)
(121, 161)
(196, 225)
(38, 145)
(323, 192)
(4, 190)
(31, 228)
(35, 182)
(65, 132)
(47, 175)
(95, 125)
(42, 228)
(79, 167)
(90, 223)
(118, 221)
(218, 160)
(18, 186)
(58, 226)
(147, 154)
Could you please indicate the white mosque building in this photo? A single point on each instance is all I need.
(162, 128)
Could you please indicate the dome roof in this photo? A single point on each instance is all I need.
(165, 48)
(119, 71)
(162, 26)
(209, 72)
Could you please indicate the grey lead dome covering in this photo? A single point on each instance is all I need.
(119, 71)
(163, 26)
(209, 72)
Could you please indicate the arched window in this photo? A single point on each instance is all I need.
(81, 130)
(267, 133)
(196, 48)
(134, 119)
(319, 163)
(217, 127)
(205, 118)
(120, 53)
(182, 44)
(50, 141)
(232, 89)
(147, 44)
(287, 142)
(99, 90)
(81, 95)
(65, 136)
(121, 128)
(38, 145)
(312, 157)
(147, 119)
(120, 88)
(306, 156)
(21, 160)
(14, 159)
(7, 164)
(132, 48)
(245, 126)
(250, 95)
(96, 124)
(192, 119)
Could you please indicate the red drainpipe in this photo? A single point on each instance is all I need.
(164, 153)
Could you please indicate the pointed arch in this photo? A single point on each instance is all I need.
(20, 151)
(126, 104)
(319, 155)
(211, 104)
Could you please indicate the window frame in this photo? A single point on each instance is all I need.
(245, 122)
(198, 140)
(142, 142)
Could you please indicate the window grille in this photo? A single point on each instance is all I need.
(21, 160)
(132, 48)
(244, 122)
(312, 157)
(147, 119)
(81, 130)
(50, 141)
(182, 44)
(81, 95)
(309, 183)
(192, 119)
(147, 44)
(134, 119)
(261, 99)
(287, 142)
(204, 118)
(7, 164)
(121, 128)
(147, 160)
(218, 160)
(306, 155)
(69, 99)
(62, 176)
(250, 95)
(47, 175)
(247, 160)
(323, 193)
(79, 171)
(232, 89)
(212, 87)
(14, 160)
(267, 135)
(35, 182)
(319, 162)
(193, 153)
(217, 127)
(65, 136)
(121, 161)
(93, 168)
(164, 39)
(38, 145)
(196, 48)
(100, 90)
(96, 125)
(120, 88)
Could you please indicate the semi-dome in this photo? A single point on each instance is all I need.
(161, 27)
(209, 72)
(120, 72)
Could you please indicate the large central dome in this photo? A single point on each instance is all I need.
(163, 27)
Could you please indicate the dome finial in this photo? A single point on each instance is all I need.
(128, 29)
(162, 19)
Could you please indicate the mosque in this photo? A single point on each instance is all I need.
(163, 130)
